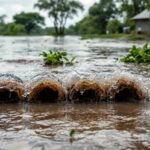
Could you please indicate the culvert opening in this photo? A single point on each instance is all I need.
(46, 95)
(88, 95)
(126, 94)
(8, 96)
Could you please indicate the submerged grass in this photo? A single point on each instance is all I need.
(137, 55)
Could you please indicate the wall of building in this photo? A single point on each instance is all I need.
(143, 26)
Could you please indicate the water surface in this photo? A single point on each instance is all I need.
(97, 126)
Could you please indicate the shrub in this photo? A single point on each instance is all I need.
(114, 26)
(138, 55)
(56, 58)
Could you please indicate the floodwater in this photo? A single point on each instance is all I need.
(105, 125)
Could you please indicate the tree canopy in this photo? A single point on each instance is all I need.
(60, 11)
(98, 17)
(29, 20)
(114, 26)
(102, 12)
(133, 7)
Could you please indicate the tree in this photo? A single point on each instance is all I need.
(60, 11)
(29, 20)
(2, 24)
(114, 26)
(96, 20)
(128, 22)
(2, 19)
(87, 26)
(102, 12)
(133, 7)
(13, 29)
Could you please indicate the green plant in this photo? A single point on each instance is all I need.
(114, 26)
(138, 55)
(56, 58)
(72, 133)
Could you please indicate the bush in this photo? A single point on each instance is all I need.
(138, 55)
(56, 58)
(114, 26)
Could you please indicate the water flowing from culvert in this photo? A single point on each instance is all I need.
(11, 88)
(101, 100)
(45, 89)
(86, 91)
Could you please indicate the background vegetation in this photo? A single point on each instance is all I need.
(105, 16)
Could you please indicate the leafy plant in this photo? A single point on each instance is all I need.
(138, 55)
(72, 135)
(57, 58)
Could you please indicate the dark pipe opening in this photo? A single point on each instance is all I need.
(88, 95)
(126, 94)
(47, 95)
(8, 96)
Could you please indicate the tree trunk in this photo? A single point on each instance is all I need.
(61, 31)
(56, 30)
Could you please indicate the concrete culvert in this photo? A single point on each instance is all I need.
(8, 96)
(126, 90)
(85, 91)
(11, 90)
(46, 91)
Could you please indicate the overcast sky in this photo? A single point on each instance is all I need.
(11, 7)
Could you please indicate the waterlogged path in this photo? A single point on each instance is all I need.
(103, 125)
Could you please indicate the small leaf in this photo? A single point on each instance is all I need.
(73, 58)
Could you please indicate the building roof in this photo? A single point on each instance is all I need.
(143, 15)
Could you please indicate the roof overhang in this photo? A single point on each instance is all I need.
(144, 15)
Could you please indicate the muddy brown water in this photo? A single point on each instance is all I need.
(105, 125)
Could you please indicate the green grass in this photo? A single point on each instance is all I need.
(135, 37)
(137, 55)
(56, 58)
(92, 36)
(132, 37)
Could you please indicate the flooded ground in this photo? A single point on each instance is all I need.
(104, 125)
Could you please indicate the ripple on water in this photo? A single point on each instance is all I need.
(97, 126)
